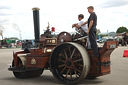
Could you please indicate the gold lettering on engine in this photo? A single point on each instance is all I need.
(53, 41)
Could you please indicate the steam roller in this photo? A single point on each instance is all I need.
(66, 55)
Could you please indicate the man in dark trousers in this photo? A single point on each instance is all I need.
(92, 23)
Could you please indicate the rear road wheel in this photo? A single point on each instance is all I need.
(70, 63)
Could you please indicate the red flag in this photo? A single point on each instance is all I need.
(53, 29)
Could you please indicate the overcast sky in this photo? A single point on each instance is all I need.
(17, 15)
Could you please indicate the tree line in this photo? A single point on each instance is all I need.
(122, 29)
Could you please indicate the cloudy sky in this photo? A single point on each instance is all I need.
(16, 15)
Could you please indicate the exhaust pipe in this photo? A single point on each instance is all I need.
(36, 24)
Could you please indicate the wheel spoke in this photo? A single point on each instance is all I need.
(65, 53)
(70, 74)
(63, 70)
(69, 50)
(77, 56)
(61, 60)
(80, 65)
(77, 70)
(73, 53)
(67, 73)
(77, 60)
(62, 55)
(61, 65)
(75, 73)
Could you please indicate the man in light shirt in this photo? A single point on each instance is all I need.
(83, 29)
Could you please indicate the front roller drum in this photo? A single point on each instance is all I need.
(27, 74)
(70, 62)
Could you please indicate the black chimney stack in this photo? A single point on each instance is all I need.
(36, 24)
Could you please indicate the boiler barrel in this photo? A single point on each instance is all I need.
(36, 24)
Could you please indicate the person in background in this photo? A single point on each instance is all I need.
(92, 23)
(0, 45)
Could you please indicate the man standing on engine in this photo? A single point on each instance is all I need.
(92, 23)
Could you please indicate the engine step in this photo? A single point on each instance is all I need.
(14, 69)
